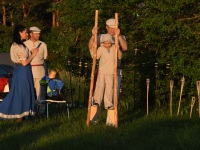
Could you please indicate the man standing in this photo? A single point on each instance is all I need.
(110, 27)
(37, 63)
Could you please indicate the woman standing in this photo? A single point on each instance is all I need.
(20, 100)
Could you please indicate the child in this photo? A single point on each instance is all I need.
(49, 88)
(105, 80)
(54, 85)
(52, 75)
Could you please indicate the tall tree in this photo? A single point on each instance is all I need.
(3, 12)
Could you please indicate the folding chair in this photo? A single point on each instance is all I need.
(4, 88)
(54, 96)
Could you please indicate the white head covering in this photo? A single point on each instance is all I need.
(111, 23)
(106, 38)
(35, 29)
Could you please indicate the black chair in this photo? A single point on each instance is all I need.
(43, 98)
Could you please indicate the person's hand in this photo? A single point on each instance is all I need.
(94, 31)
(117, 32)
(117, 46)
(94, 45)
(34, 51)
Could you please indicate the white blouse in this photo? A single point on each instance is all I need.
(18, 53)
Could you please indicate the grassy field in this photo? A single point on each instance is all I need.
(136, 131)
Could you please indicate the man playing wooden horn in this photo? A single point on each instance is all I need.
(113, 31)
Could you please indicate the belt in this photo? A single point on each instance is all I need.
(18, 64)
(37, 65)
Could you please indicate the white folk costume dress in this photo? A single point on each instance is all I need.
(37, 62)
(20, 100)
(105, 79)
(108, 121)
(38, 67)
(119, 71)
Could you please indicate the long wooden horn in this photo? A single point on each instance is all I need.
(115, 74)
(93, 71)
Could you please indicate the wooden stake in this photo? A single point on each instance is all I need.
(171, 89)
(115, 74)
(93, 71)
(192, 104)
(198, 92)
(147, 83)
(181, 92)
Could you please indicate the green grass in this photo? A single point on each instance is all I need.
(136, 131)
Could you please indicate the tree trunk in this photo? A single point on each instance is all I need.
(53, 19)
(57, 16)
(24, 11)
(4, 13)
